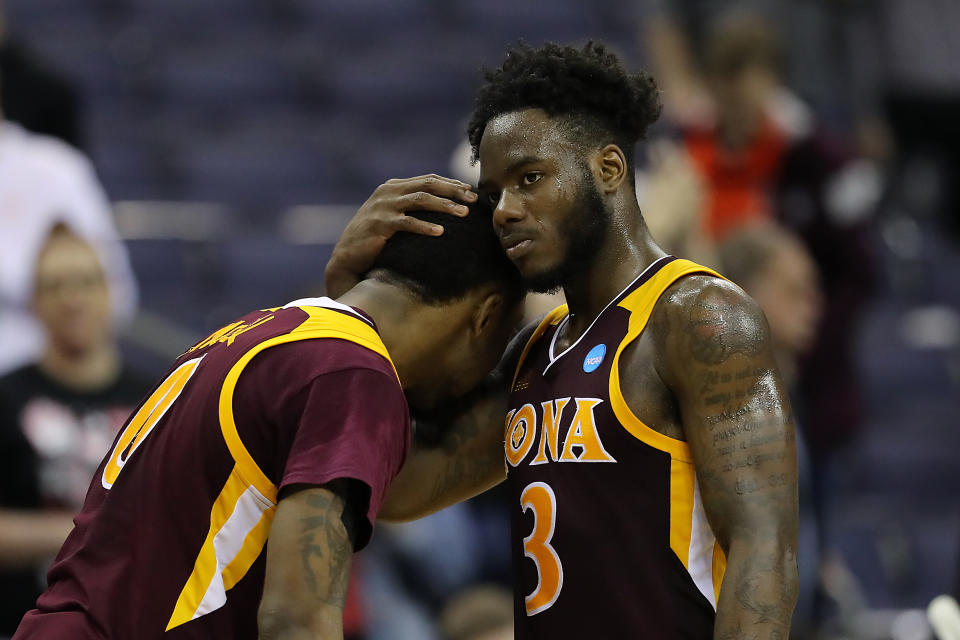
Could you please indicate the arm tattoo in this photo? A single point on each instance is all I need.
(325, 549)
(716, 331)
(737, 419)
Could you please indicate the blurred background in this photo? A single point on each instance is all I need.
(166, 166)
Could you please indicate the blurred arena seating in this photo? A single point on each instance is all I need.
(315, 101)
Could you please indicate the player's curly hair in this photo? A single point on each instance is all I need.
(604, 102)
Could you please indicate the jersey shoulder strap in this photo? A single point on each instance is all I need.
(641, 301)
(640, 304)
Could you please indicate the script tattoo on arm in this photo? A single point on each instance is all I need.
(736, 418)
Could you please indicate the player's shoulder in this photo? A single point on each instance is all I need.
(705, 293)
(340, 367)
(319, 356)
(701, 311)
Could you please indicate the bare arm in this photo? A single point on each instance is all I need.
(469, 459)
(736, 418)
(30, 537)
(308, 567)
(685, 97)
(382, 215)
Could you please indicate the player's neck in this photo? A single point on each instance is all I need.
(399, 322)
(626, 251)
(87, 370)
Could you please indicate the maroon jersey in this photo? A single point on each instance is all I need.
(609, 538)
(170, 540)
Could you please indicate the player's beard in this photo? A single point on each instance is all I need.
(584, 231)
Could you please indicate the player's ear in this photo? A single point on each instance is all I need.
(613, 167)
(488, 312)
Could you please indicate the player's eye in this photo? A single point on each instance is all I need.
(531, 177)
(493, 199)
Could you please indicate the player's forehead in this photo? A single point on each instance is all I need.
(524, 135)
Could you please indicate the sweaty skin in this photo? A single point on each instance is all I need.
(703, 371)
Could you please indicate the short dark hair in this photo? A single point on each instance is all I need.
(604, 102)
(442, 268)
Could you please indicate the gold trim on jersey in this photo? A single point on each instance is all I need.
(321, 323)
(690, 536)
(241, 515)
(552, 318)
(239, 523)
(640, 303)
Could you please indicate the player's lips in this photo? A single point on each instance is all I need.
(516, 245)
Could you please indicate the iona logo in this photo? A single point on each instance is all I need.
(594, 358)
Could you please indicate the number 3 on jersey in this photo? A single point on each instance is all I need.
(539, 498)
(146, 418)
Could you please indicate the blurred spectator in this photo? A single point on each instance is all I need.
(775, 269)
(42, 181)
(479, 613)
(672, 34)
(37, 98)
(760, 157)
(58, 416)
(739, 150)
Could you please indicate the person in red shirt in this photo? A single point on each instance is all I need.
(286, 426)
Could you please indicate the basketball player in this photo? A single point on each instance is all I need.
(286, 426)
(648, 440)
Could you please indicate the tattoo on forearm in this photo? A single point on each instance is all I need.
(325, 549)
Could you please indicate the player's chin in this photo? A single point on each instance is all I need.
(542, 280)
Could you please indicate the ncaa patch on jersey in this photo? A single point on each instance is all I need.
(594, 358)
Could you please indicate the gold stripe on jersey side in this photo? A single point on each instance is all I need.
(681, 508)
(247, 479)
(640, 304)
(201, 594)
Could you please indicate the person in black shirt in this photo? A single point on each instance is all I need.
(58, 417)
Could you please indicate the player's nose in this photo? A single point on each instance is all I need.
(508, 210)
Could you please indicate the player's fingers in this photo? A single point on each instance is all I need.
(415, 225)
(423, 201)
(430, 177)
(439, 186)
